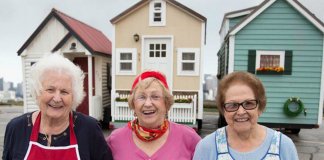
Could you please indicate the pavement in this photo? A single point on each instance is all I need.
(309, 142)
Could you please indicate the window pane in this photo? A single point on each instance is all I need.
(157, 46)
(157, 6)
(126, 66)
(188, 66)
(157, 17)
(163, 54)
(163, 46)
(269, 61)
(157, 54)
(188, 56)
(151, 54)
(151, 46)
(125, 56)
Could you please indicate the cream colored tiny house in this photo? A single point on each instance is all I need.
(84, 46)
(161, 35)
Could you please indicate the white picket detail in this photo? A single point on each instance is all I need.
(179, 112)
(123, 112)
(183, 112)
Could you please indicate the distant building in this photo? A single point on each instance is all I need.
(11, 86)
(1, 84)
(7, 95)
(19, 90)
(209, 87)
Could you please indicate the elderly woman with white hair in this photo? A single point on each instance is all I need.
(55, 131)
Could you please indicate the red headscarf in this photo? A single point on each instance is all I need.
(149, 74)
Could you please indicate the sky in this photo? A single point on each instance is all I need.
(20, 18)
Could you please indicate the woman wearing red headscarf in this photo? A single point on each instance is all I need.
(150, 135)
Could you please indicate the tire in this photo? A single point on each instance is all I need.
(295, 130)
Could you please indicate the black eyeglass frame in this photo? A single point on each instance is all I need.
(243, 104)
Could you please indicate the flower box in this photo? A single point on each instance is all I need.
(269, 73)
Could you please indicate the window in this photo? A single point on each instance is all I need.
(188, 61)
(126, 61)
(270, 62)
(157, 50)
(157, 13)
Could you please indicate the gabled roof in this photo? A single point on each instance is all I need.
(267, 3)
(143, 2)
(92, 39)
(237, 13)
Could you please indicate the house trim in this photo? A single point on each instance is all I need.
(236, 14)
(200, 105)
(320, 112)
(196, 71)
(231, 54)
(24, 80)
(308, 15)
(133, 61)
(253, 15)
(61, 17)
(90, 94)
(269, 52)
(294, 3)
(113, 70)
(152, 11)
(144, 2)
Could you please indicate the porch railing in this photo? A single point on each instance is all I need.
(180, 112)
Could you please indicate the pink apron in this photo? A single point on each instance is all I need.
(38, 151)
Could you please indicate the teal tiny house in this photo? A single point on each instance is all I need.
(282, 43)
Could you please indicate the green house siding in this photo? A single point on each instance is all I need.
(281, 27)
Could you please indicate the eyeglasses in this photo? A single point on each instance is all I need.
(247, 105)
(142, 98)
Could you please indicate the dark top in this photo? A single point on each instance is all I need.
(91, 142)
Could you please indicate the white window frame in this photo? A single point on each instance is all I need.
(152, 11)
(196, 62)
(280, 53)
(133, 61)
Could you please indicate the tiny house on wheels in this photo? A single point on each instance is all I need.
(282, 43)
(161, 35)
(84, 45)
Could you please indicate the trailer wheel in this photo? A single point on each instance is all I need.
(294, 130)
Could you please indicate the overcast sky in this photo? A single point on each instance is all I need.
(20, 18)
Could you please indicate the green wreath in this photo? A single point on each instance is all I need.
(299, 109)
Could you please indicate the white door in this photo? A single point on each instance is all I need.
(158, 56)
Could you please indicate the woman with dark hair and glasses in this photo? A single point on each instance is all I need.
(151, 135)
(241, 99)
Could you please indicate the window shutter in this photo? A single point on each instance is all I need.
(251, 61)
(288, 62)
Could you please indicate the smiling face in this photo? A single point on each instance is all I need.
(149, 105)
(241, 120)
(56, 98)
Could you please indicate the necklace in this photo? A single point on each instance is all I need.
(48, 140)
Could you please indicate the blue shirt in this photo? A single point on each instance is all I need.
(206, 149)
